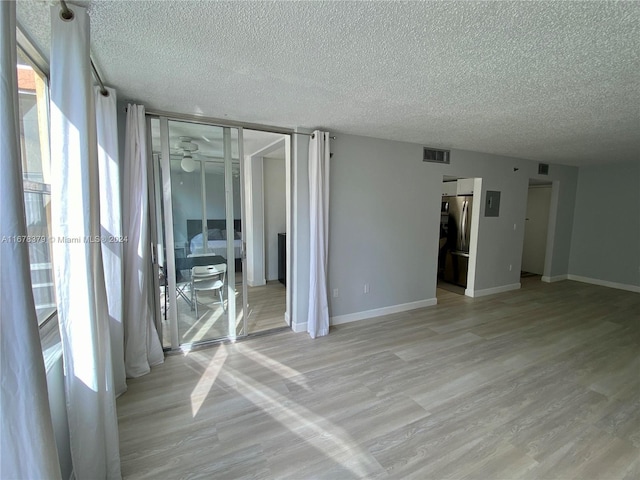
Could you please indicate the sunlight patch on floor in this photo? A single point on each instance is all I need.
(273, 365)
(329, 439)
(208, 378)
(205, 326)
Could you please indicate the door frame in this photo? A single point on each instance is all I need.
(164, 118)
(254, 187)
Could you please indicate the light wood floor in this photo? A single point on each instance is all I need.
(539, 383)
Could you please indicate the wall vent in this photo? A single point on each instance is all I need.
(435, 155)
(543, 169)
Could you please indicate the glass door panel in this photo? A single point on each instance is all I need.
(202, 231)
(155, 183)
(265, 179)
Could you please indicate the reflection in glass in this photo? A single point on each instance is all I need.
(206, 239)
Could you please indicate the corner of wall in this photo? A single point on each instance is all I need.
(299, 327)
(491, 291)
(300, 232)
(561, 219)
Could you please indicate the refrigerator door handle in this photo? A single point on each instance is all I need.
(460, 241)
(463, 227)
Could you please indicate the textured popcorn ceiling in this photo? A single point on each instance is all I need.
(550, 81)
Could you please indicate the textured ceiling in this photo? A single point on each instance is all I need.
(550, 81)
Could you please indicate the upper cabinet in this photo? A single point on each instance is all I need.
(465, 186)
(449, 188)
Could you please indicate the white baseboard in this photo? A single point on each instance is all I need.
(378, 312)
(491, 291)
(367, 314)
(556, 278)
(299, 327)
(604, 283)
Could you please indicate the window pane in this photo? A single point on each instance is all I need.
(34, 140)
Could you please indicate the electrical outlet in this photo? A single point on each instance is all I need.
(335, 293)
(510, 267)
(366, 288)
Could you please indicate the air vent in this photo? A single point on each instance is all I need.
(435, 155)
(543, 169)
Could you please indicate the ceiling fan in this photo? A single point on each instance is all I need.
(187, 147)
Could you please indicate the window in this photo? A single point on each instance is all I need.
(33, 98)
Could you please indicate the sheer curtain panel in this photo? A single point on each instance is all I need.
(142, 345)
(318, 319)
(27, 442)
(111, 226)
(83, 314)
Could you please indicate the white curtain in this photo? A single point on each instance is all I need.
(83, 315)
(111, 226)
(318, 318)
(142, 346)
(26, 434)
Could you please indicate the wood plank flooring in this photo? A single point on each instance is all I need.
(539, 383)
(267, 305)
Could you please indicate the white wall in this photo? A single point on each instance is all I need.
(563, 201)
(385, 214)
(254, 220)
(274, 212)
(605, 243)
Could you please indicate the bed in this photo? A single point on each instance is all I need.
(217, 238)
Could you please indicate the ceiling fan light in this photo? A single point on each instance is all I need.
(188, 164)
(187, 145)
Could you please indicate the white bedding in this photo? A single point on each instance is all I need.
(217, 247)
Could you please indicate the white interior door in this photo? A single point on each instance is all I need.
(535, 233)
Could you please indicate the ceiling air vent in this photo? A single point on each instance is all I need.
(435, 155)
(543, 169)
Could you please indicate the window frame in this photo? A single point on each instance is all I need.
(25, 48)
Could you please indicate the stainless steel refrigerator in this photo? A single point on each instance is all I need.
(456, 222)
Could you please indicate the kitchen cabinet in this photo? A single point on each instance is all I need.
(449, 189)
(464, 186)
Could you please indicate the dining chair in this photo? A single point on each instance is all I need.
(208, 278)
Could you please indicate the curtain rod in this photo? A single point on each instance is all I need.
(312, 135)
(67, 15)
(103, 91)
(223, 122)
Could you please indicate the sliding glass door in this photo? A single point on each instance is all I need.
(198, 212)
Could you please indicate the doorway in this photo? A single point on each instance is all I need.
(458, 232)
(534, 246)
(198, 184)
(266, 176)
